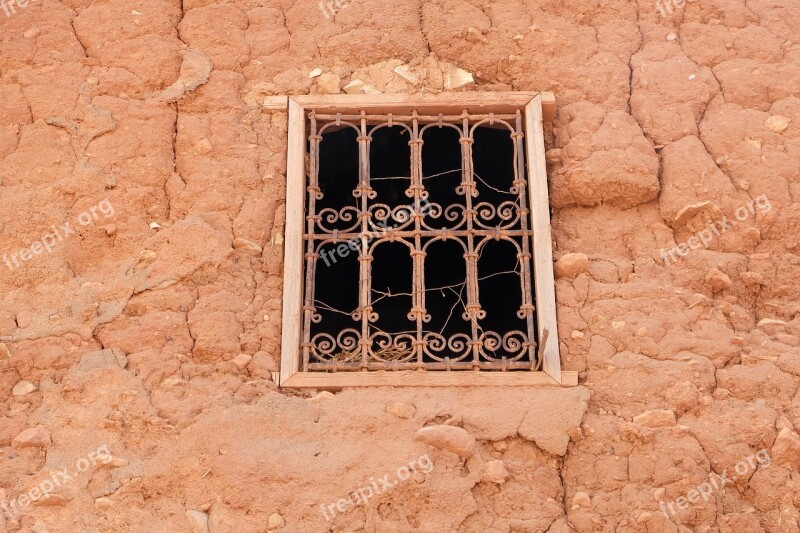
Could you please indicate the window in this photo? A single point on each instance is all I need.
(418, 246)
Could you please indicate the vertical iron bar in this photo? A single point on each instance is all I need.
(471, 257)
(418, 187)
(313, 192)
(364, 258)
(525, 258)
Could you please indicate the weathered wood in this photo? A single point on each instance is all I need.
(403, 103)
(538, 107)
(293, 242)
(276, 103)
(542, 240)
(413, 378)
(548, 106)
(569, 378)
(445, 103)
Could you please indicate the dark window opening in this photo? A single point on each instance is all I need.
(419, 248)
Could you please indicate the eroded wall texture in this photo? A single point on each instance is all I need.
(141, 214)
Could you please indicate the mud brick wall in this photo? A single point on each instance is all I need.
(151, 323)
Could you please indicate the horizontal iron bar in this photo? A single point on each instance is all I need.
(409, 118)
(459, 366)
(424, 233)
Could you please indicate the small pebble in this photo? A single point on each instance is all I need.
(51, 500)
(242, 360)
(275, 521)
(777, 123)
(146, 256)
(203, 147)
(495, 472)
(22, 388)
(401, 410)
(581, 499)
(322, 396)
(24, 319)
(198, 521)
(102, 504)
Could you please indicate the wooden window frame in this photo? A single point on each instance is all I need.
(538, 107)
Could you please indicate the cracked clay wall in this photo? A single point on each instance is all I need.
(141, 222)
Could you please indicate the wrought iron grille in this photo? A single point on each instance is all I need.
(361, 339)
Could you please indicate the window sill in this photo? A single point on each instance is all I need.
(416, 378)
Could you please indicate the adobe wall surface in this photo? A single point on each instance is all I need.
(140, 126)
